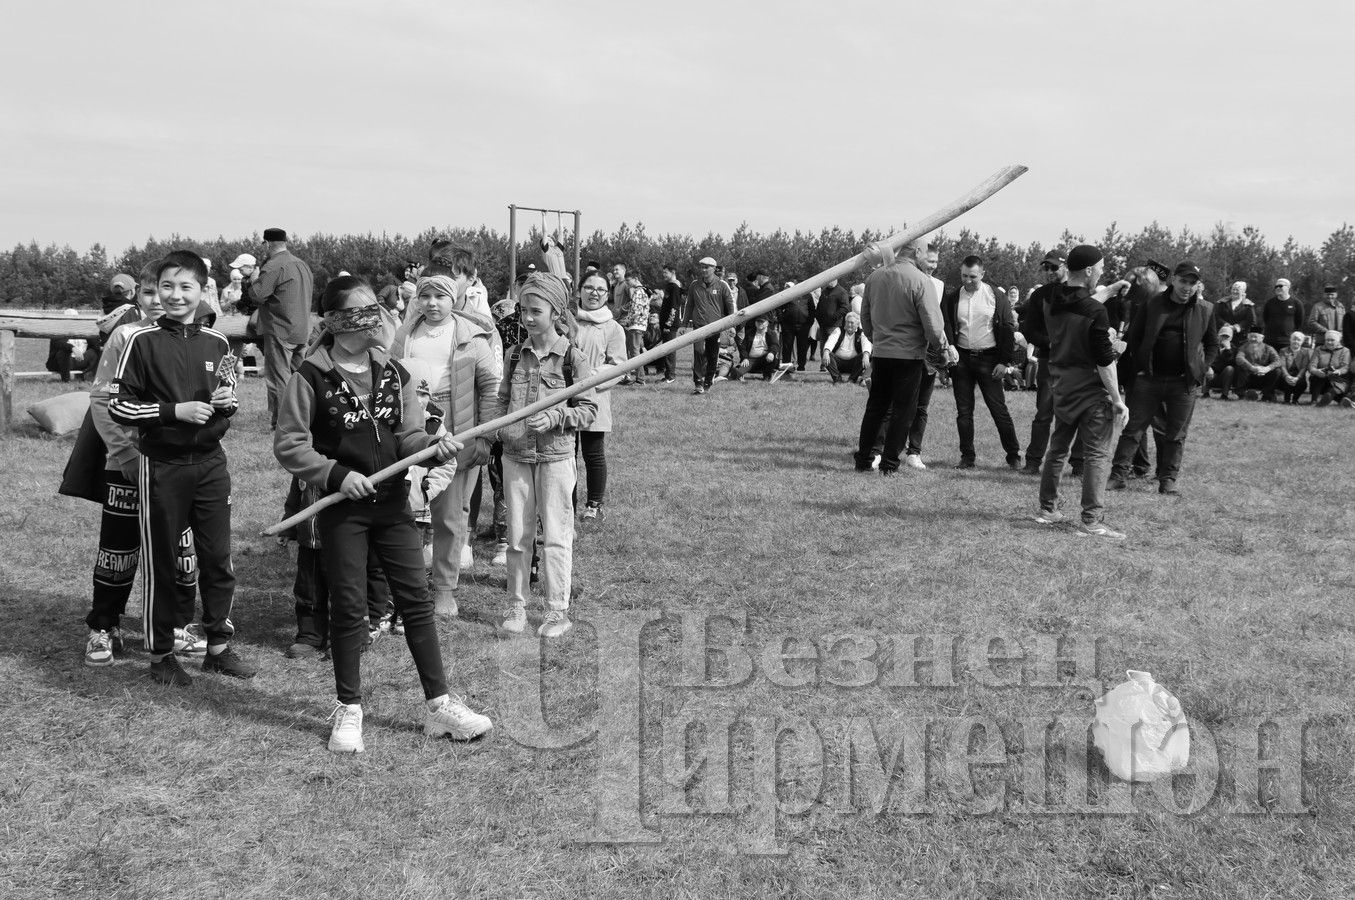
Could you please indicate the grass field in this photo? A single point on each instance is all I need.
(1237, 597)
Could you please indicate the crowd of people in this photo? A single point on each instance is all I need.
(364, 379)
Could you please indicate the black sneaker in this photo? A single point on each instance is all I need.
(168, 671)
(227, 662)
(1028, 469)
(965, 464)
(1168, 486)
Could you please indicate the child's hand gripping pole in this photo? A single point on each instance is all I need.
(875, 254)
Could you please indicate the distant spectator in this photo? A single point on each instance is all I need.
(282, 289)
(847, 350)
(121, 292)
(796, 319)
(390, 294)
(620, 292)
(760, 348)
(1329, 372)
(1223, 371)
(1237, 310)
(741, 298)
(471, 295)
(670, 317)
(1327, 314)
(232, 293)
(858, 291)
(1294, 362)
(1282, 315)
(210, 295)
(708, 300)
(759, 289)
(633, 318)
(1258, 367)
(833, 304)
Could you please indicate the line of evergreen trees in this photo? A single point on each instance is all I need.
(36, 277)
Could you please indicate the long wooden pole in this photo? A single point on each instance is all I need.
(982, 192)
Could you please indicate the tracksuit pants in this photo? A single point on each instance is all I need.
(174, 498)
(116, 561)
(350, 532)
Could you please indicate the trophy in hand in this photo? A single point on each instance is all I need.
(226, 371)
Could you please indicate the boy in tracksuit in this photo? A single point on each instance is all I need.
(172, 386)
(119, 532)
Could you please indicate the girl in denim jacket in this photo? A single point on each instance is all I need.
(538, 453)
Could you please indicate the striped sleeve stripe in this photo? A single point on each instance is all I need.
(135, 410)
(127, 350)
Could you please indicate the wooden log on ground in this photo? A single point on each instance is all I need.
(34, 324)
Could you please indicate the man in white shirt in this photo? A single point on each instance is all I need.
(981, 323)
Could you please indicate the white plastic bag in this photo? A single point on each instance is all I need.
(1141, 730)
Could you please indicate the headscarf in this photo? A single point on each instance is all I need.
(547, 287)
(440, 283)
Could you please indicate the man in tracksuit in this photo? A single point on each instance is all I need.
(1171, 346)
(175, 385)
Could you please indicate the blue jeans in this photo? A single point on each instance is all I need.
(1094, 429)
(1175, 399)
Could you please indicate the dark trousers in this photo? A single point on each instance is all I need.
(795, 341)
(495, 469)
(280, 360)
(1044, 421)
(893, 391)
(1326, 386)
(1174, 399)
(593, 446)
(976, 369)
(349, 532)
(1094, 428)
(116, 561)
(670, 361)
(311, 593)
(173, 499)
(1264, 383)
(1222, 375)
(705, 358)
(839, 369)
(1292, 392)
(918, 430)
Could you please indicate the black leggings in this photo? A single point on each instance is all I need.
(594, 465)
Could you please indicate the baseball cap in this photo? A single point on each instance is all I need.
(1054, 258)
(1187, 268)
(244, 259)
(122, 281)
(706, 261)
(1282, 281)
(1161, 271)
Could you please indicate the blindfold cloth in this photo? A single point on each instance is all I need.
(358, 318)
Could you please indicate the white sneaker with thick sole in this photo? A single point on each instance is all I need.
(913, 461)
(99, 649)
(455, 719)
(514, 620)
(467, 556)
(346, 736)
(186, 640)
(554, 624)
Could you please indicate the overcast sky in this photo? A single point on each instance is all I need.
(120, 121)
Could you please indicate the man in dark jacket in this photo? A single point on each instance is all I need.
(980, 322)
(1170, 348)
(833, 306)
(796, 320)
(282, 289)
(670, 317)
(1281, 316)
(708, 300)
(1032, 324)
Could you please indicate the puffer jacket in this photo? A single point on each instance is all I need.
(529, 379)
(602, 342)
(475, 374)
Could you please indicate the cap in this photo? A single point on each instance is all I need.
(1329, 289)
(1256, 328)
(1187, 268)
(1054, 258)
(274, 234)
(1282, 281)
(706, 261)
(1161, 271)
(244, 259)
(122, 281)
(1083, 256)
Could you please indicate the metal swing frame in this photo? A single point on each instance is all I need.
(513, 236)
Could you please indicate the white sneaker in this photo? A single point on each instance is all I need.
(555, 624)
(99, 649)
(514, 620)
(467, 556)
(781, 370)
(454, 718)
(500, 555)
(875, 461)
(346, 736)
(444, 604)
(186, 640)
(1050, 517)
(913, 461)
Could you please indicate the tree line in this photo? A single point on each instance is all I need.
(37, 277)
